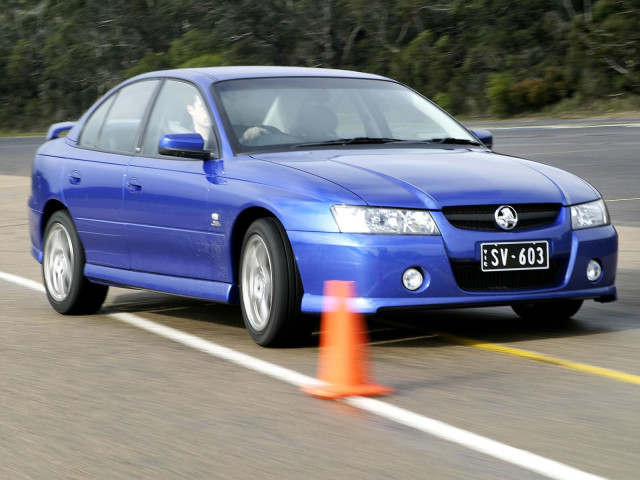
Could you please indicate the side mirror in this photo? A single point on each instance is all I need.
(58, 130)
(485, 136)
(184, 145)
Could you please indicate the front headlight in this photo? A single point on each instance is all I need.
(354, 219)
(587, 215)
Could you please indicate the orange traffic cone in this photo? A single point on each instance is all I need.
(342, 362)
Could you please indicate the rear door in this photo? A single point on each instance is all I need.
(94, 176)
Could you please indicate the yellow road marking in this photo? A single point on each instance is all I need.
(580, 367)
(622, 200)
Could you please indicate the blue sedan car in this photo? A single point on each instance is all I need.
(255, 185)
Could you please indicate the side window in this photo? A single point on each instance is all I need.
(91, 130)
(120, 128)
(179, 108)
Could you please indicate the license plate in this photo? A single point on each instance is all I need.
(502, 256)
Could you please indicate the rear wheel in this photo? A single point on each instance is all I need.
(68, 290)
(548, 311)
(269, 286)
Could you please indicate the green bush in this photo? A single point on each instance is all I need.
(443, 100)
(499, 94)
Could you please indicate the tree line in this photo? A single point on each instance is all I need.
(472, 57)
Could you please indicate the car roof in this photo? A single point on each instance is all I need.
(218, 74)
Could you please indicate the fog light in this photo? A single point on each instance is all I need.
(412, 279)
(594, 270)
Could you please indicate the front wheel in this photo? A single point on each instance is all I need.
(269, 286)
(68, 290)
(548, 311)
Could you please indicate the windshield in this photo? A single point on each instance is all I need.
(285, 113)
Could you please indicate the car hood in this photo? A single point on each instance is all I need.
(436, 178)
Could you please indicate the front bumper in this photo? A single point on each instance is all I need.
(376, 264)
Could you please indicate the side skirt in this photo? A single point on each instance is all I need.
(189, 287)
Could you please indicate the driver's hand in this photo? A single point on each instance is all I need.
(253, 132)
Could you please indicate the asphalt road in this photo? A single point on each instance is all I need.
(96, 397)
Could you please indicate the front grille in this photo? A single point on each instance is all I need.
(481, 217)
(470, 277)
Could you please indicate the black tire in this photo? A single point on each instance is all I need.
(546, 312)
(270, 289)
(68, 290)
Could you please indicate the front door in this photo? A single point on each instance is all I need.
(169, 224)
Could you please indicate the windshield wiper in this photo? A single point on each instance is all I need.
(454, 141)
(349, 141)
(384, 140)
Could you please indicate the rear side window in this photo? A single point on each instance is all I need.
(115, 124)
(91, 130)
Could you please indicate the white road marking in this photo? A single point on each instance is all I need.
(557, 126)
(515, 456)
(218, 351)
(23, 282)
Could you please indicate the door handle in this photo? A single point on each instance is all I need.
(134, 185)
(74, 177)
